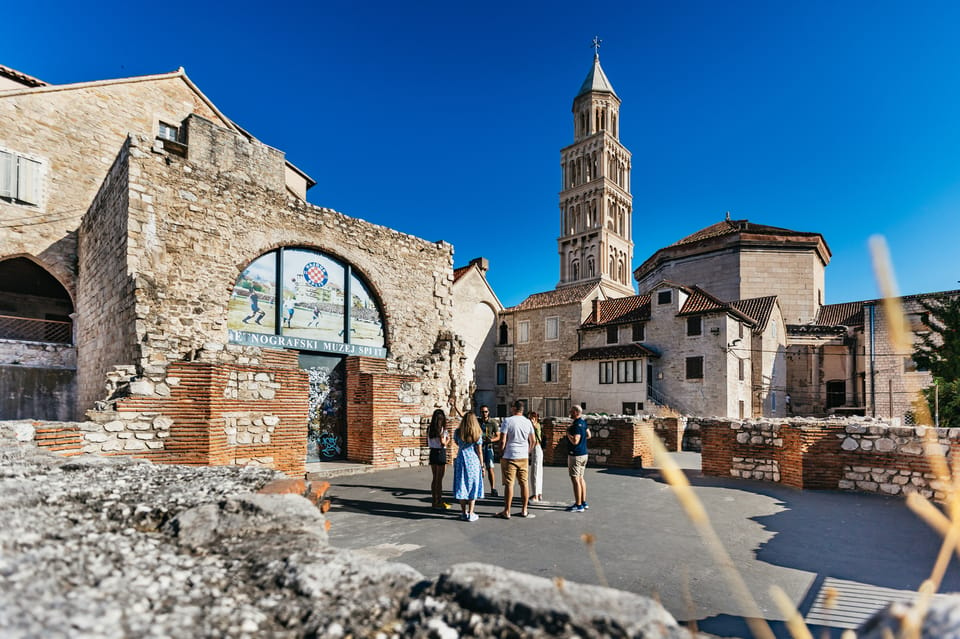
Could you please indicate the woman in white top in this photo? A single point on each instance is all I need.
(536, 460)
(437, 439)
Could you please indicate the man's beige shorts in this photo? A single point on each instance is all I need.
(514, 469)
(576, 464)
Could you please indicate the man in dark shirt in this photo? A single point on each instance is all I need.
(491, 435)
(577, 436)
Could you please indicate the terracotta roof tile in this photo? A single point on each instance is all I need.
(22, 78)
(730, 227)
(621, 310)
(758, 309)
(846, 314)
(460, 272)
(555, 297)
(700, 301)
(616, 351)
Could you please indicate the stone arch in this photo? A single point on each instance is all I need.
(34, 303)
(310, 286)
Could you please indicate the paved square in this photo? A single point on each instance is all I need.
(798, 540)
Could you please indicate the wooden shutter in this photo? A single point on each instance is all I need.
(8, 174)
(28, 181)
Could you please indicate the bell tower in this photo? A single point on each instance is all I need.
(596, 208)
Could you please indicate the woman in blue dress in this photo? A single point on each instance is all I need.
(467, 469)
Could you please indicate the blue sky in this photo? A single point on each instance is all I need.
(446, 119)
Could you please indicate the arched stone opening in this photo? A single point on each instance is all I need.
(34, 306)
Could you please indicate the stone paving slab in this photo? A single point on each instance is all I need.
(645, 544)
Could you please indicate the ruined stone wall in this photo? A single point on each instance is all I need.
(104, 293)
(76, 132)
(847, 454)
(196, 222)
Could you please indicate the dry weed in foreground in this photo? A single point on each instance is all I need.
(948, 526)
(695, 511)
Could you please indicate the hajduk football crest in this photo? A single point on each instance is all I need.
(315, 274)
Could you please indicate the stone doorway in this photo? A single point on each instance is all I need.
(326, 421)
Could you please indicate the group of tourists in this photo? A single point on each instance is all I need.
(517, 441)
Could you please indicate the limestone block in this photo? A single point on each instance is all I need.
(134, 444)
(163, 434)
(849, 444)
(267, 393)
(743, 438)
(141, 387)
(138, 426)
(144, 436)
(114, 426)
(869, 486)
(173, 381)
(244, 437)
(756, 440)
(604, 432)
(162, 390)
(866, 444)
(845, 484)
(98, 438)
(162, 423)
(271, 420)
(111, 446)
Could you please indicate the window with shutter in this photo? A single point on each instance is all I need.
(8, 174)
(20, 178)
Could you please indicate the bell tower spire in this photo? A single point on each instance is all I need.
(596, 208)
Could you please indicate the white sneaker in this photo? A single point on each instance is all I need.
(473, 517)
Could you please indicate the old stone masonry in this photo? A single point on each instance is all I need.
(115, 547)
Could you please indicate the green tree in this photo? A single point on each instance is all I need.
(939, 353)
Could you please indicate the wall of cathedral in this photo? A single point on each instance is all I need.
(795, 277)
(717, 272)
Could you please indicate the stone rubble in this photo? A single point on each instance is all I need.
(115, 547)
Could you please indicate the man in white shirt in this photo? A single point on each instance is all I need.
(516, 440)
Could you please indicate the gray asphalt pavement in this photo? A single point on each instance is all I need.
(870, 548)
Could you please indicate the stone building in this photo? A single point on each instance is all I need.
(161, 266)
(682, 348)
(476, 308)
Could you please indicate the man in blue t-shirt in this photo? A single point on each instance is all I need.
(577, 436)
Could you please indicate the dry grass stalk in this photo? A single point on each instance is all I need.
(590, 541)
(949, 527)
(698, 515)
(798, 629)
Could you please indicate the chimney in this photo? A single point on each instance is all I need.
(596, 310)
(482, 263)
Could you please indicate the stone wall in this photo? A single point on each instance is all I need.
(104, 291)
(537, 350)
(37, 354)
(839, 454)
(196, 222)
(76, 132)
(892, 384)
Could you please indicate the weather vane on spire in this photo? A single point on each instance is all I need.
(596, 45)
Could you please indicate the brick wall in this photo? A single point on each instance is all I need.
(205, 421)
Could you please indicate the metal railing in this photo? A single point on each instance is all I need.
(28, 329)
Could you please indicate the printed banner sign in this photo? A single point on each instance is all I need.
(304, 344)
